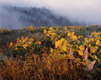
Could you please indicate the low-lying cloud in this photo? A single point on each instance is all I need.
(87, 11)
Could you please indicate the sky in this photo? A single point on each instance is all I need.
(88, 11)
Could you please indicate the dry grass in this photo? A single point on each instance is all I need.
(43, 67)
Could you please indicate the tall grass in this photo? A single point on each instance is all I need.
(44, 67)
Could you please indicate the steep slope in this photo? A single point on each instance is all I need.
(17, 17)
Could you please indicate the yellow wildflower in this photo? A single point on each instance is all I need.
(22, 38)
(62, 39)
(93, 49)
(24, 46)
(69, 34)
(53, 34)
(86, 39)
(89, 45)
(72, 33)
(65, 43)
(98, 43)
(57, 44)
(45, 31)
(51, 50)
(17, 39)
(80, 52)
(31, 39)
(79, 37)
(38, 42)
(95, 57)
(81, 47)
(74, 37)
(16, 48)
(64, 48)
(30, 27)
(16, 45)
(92, 39)
(49, 32)
(96, 47)
(11, 44)
(51, 29)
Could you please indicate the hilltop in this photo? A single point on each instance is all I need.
(18, 17)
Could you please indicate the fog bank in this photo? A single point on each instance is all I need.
(87, 11)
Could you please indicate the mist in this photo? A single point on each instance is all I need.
(85, 11)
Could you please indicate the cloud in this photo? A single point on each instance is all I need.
(88, 11)
(22, 3)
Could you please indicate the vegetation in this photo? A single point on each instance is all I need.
(55, 53)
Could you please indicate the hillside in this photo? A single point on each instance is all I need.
(12, 17)
(55, 53)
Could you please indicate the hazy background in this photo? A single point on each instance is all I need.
(87, 11)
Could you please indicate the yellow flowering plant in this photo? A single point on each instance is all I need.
(65, 42)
